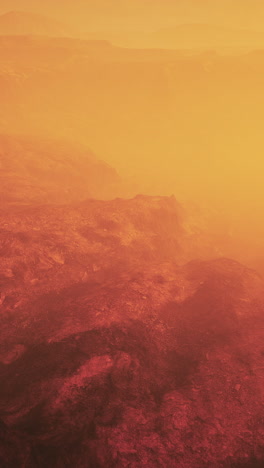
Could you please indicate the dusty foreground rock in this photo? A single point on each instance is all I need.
(119, 350)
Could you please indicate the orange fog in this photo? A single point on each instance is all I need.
(175, 104)
(131, 233)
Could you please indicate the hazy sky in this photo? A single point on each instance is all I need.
(145, 13)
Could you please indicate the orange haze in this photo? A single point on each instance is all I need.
(178, 110)
(131, 233)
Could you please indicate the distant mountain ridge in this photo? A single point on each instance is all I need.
(23, 23)
(205, 35)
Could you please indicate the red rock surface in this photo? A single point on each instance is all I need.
(118, 350)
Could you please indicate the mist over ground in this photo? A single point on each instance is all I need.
(131, 234)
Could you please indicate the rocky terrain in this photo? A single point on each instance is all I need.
(35, 170)
(131, 331)
(120, 350)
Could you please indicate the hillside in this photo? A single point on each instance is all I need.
(34, 170)
(160, 116)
